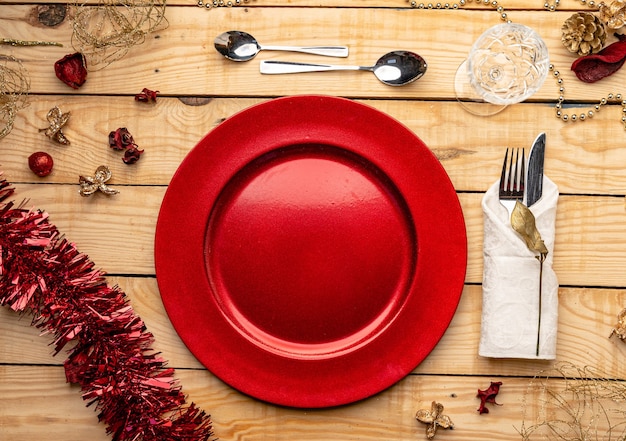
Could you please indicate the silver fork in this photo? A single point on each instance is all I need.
(512, 180)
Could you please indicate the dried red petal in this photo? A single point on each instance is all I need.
(131, 155)
(72, 70)
(594, 67)
(147, 95)
(120, 139)
(40, 163)
(488, 396)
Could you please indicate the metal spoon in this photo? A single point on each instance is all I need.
(395, 68)
(241, 46)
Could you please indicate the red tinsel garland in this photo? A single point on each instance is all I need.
(136, 395)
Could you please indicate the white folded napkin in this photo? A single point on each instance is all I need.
(510, 311)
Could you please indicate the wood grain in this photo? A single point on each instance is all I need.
(586, 317)
(198, 90)
(181, 59)
(588, 249)
(565, 5)
(238, 418)
(167, 131)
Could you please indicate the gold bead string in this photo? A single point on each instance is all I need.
(493, 3)
(551, 7)
(210, 4)
(610, 98)
(583, 116)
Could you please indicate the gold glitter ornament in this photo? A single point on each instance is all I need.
(89, 185)
(583, 33)
(14, 88)
(434, 418)
(613, 14)
(57, 120)
(620, 328)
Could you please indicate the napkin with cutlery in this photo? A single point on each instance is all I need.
(510, 306)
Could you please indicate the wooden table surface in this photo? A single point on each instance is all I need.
(199, 89)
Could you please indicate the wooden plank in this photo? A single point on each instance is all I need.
(25, 411)
(129, 220)
(198, 89)
(38, 403)
(588, 249)
(167, 131)
(586, 317)
(157, 62)
(395, 4)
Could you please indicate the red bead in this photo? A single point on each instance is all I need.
(40, 163)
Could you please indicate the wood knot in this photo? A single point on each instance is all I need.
(194, 101)
(49, 15)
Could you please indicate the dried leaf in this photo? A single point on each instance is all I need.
(523, 221)
(488, 396)
(592, 68)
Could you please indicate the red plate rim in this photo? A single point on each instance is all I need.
(433, 208)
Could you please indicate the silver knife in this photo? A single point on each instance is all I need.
(534, 181)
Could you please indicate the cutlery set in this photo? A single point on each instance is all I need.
(518, 191)
(395, 68)
(518, 185)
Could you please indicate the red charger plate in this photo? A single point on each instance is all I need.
(310, 251)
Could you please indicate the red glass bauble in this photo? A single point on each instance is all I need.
(40, 163)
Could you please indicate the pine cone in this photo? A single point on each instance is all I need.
(613, 15)
(583, 33)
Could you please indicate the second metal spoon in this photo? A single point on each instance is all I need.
(241, 46)
(395, 68)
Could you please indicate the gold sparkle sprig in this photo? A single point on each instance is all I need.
(14, 42)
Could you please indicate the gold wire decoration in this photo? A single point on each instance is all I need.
(14, 88)
(106, 31)
(574, 403)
